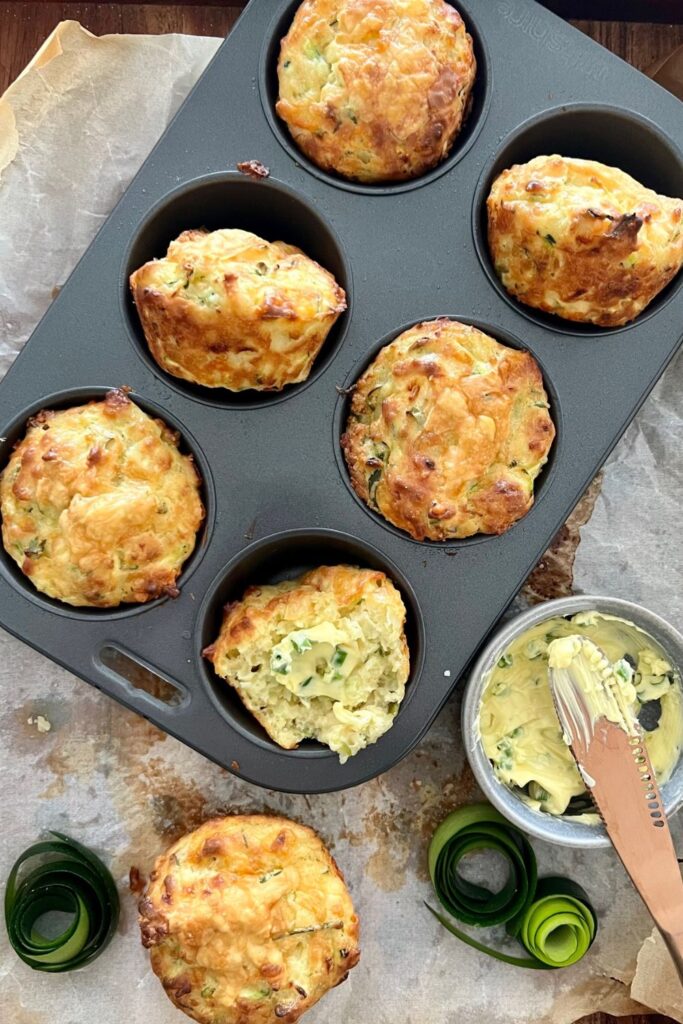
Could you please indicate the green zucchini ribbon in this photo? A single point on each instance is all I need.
(68, 878)
(551, 917)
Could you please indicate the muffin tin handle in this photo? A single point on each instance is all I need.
(181, 709)
(146, 689)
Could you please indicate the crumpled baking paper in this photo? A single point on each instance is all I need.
(73, 130)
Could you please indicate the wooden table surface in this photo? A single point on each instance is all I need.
(23, 27)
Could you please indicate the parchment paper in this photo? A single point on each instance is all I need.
(73, 129)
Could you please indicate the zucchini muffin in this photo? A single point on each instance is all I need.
(248, 921)
(447, 431)
(375, 90)
(582, 240)
(226, 309)
(321, 657)
(98, 505)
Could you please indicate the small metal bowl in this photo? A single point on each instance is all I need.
(554, 828)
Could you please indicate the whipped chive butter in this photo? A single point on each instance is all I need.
(518, 724)
(317, 662)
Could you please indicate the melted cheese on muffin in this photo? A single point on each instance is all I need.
(227, 309)
(248, 921)
(582, 240)
(375, 90)
(322, 657)
(98, 505)
(447, 431)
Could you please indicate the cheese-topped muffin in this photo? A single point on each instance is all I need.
(582, 240)
(375, 90)
(98, 505)
(447, 431)
(227, 309)
(321, 657)
(248, 921)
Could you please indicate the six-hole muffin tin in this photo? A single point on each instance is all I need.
(276, 489)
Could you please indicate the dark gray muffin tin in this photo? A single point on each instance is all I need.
(277, 493)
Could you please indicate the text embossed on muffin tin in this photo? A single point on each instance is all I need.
(535, 25)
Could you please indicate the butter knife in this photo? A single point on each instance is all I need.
(614, 763)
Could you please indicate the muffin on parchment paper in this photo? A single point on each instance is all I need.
(320, 657)
(447, 431)
(99, 507)
(227, 309)
(582, 240)
(375, 90)
(248, 920)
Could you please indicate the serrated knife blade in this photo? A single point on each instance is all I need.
(616, 768)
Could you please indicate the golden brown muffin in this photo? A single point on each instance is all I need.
(248, 921)
(375, 90)
(447, 431)
(321, 657)
(98, 505)
(227, 309)
(582, 240)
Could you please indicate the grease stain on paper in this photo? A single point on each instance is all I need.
(405, 806)
(18, 1014)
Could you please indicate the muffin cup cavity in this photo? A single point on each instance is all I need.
(286, 556)
(343, 407)
(15, 431)
(268, 209)
(480, 100)
(609, 135)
